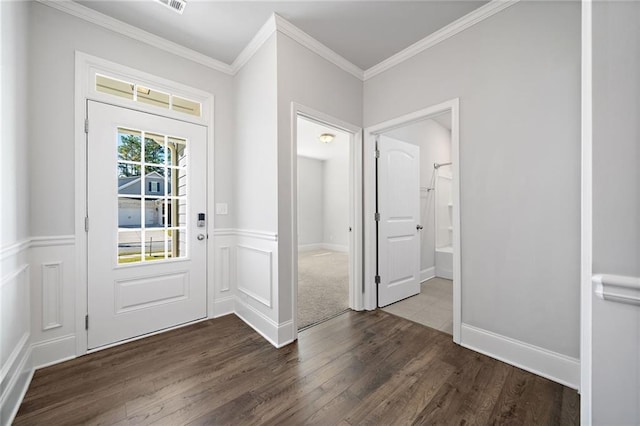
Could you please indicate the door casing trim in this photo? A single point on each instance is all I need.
(370, 251)
(356, 246)
(86, 66)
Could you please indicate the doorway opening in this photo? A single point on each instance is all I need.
(433, 304)
(327, 217)
(415, 200)
(324, 223)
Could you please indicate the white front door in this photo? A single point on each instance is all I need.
(399, 224)
(146, 251)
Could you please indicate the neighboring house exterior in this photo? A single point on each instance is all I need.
(129, 212)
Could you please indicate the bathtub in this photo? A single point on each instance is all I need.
(444, 262)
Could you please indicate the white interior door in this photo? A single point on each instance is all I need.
(146, 184)
(399, 224)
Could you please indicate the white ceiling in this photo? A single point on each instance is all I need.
(363, 32)
(310, 146)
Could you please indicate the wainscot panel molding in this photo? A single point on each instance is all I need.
(552, 365)
(51, 295)
(253, 271)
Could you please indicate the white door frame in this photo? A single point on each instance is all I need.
(86, 66)
(356, 300)
(370, 252)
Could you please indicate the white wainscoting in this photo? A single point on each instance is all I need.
(554, 366)
(15, 328)
(251, 257)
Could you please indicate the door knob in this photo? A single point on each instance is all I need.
(200, 237)
(419, 227)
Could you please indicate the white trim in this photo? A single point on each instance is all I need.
(586, 217)
(552, 365)
(13, 357)
(14, 391)
(287, 28)
(224, 306)
(260, 235)
(53, 351)
(15, 248)
(617, 288)
(467, 21)
(278, 23)
(279, 335)
(255, 44)
(427, 274)
(370, 134)
(56, 240)
(117, 26)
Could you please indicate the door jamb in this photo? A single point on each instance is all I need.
(86, 65)
(356, 301)
(369, 177)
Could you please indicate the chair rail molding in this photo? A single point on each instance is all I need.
(617, 288)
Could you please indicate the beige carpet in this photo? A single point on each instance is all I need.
(323, 285)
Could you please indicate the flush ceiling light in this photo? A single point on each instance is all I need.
(175, 5)
(326, 137)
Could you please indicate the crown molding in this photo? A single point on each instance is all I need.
(254, 45)
(278, 23)
(287, 28)
(470, 19)
(90, 15)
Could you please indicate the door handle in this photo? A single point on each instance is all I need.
(419, 227)
(200, 237)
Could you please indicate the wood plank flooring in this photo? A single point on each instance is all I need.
(358, 368)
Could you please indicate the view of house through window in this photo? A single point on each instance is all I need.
(152, 196)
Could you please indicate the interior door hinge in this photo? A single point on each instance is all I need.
(86, 224)
(86, 125)
(86, 322)
(377, 152)
(376, 216)
(377, 279)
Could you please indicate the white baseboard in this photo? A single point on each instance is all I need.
(427, 274)
(323, 246)
(16, 382)
(224, 306)
(309, 247)
(278, 335)
(552, 365)
(53, 351)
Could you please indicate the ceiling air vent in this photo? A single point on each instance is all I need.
(175, 5)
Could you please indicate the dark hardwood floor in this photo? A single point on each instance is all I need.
(358, 368)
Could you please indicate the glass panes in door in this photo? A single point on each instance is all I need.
(152, 184)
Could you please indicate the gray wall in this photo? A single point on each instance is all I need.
(616, 208)
(52, 45)
(256, 148)
(15, 126)
(310, 201)
(517, 75)
(308, 79)
(336, 200)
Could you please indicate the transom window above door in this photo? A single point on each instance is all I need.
(147, 95)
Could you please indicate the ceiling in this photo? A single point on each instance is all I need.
(363, 32)
(310, 146)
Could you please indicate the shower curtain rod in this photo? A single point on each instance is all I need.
(438, 165)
